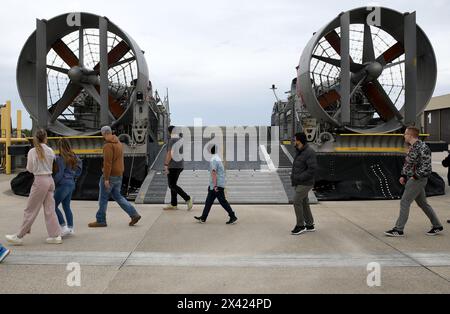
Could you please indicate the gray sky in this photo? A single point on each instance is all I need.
(218, 58)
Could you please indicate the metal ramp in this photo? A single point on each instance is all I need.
(248, 182)
(243, 187)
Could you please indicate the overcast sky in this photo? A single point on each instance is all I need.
(218, 58)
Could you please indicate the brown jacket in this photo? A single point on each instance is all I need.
(113, 164)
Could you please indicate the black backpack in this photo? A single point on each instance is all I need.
(21, 185)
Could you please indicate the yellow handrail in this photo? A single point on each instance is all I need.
(6, 131)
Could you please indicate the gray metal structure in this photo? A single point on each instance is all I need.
(355, 76)
(78, 72)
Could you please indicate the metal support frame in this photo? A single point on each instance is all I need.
(81, 46)
(104, 103)
(19, 124)
(345, 68)
(411, 70)
(41, 73)
(6, 133)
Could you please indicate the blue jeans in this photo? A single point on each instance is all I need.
(63, 195)
(114, 191)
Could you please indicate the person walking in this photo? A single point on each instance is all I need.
(446, 164)
(173, 167)
(303, 174)
(111, 181)
(68, 168)
(4, 252)
(40, 164)
(216, 189)
(415, 174)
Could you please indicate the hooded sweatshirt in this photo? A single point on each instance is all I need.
(113, 164)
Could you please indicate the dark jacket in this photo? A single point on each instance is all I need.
(304, 167)
(446, 164)
(66, 174)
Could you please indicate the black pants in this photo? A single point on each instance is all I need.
(175, 190)
(220, 195)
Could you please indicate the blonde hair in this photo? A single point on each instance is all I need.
(66, 152)
(39, 138)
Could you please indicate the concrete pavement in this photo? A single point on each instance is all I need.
(169, 253)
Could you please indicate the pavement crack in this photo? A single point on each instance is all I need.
(131, 253)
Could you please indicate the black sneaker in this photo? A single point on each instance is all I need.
(310, 228)
(298, 230)
(395, 233)
(232, 221)
(448, 221)
(435, 231)
(200, 220)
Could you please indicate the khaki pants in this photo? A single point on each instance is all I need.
(301, 206)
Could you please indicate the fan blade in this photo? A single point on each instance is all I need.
(114, 105)
(391, 54)
(113, 65)
(58, 69)
(65, 53)
(368, 50)
(329, 98)
(380, 101)
(334, 40)
(335, 62)
(71, 92)
(354, 67)
(116, 54)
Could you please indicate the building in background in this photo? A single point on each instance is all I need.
(436, 119)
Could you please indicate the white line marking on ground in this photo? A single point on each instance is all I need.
(208, 260)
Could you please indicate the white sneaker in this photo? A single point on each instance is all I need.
(57, 240)
(65, 231)
(71, 231)
(14, 240)
(190, 204)
(170, 207)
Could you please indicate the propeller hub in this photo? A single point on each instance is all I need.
(374, 70)
(76, 74)
(80, 75)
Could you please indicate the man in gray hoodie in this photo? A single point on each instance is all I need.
(303, 172)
